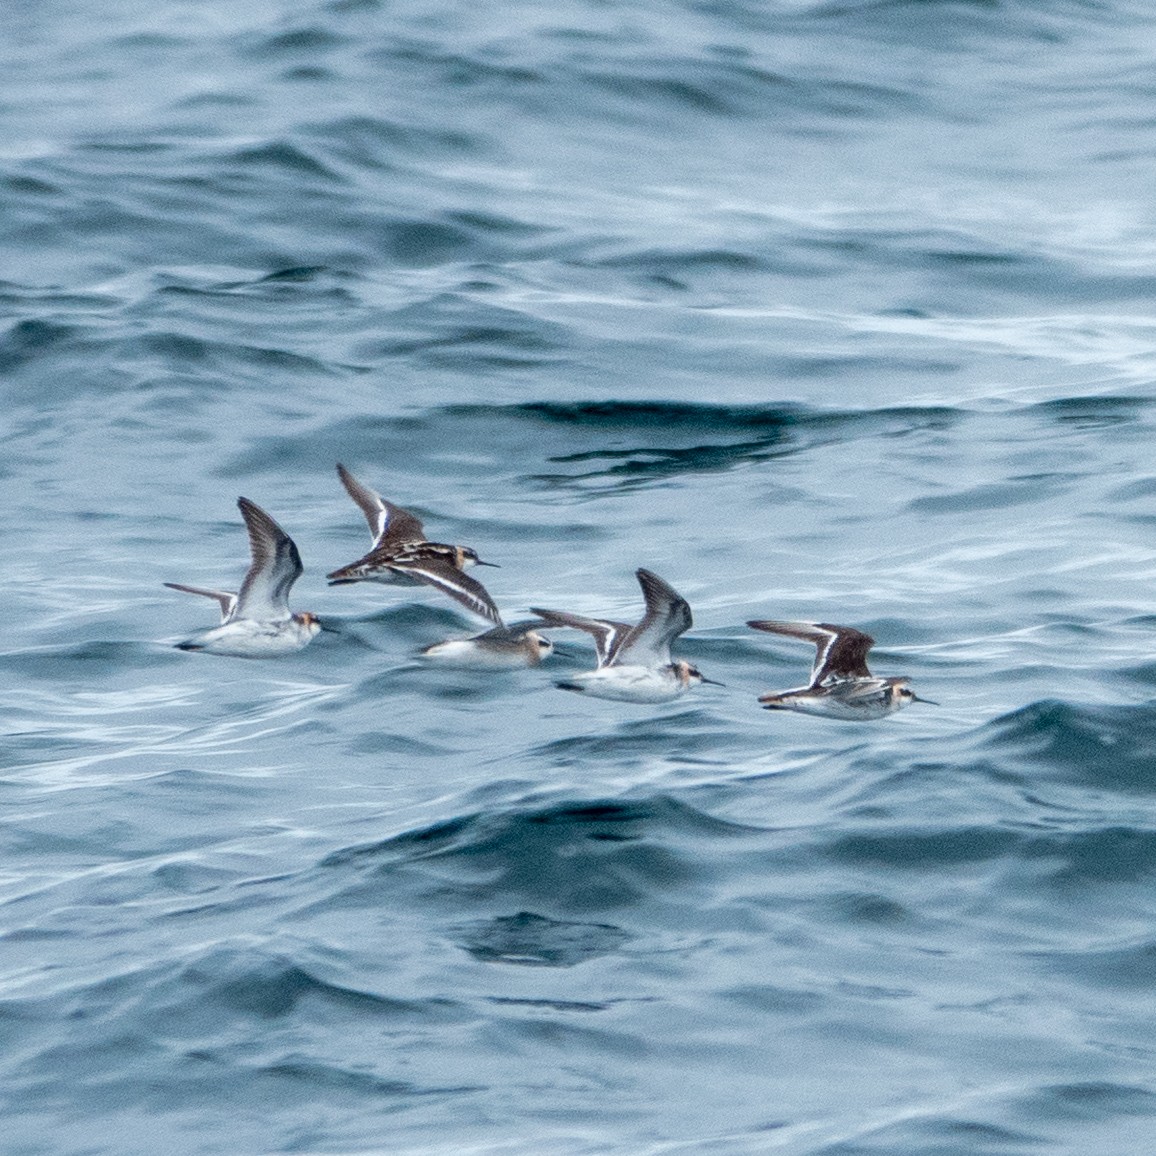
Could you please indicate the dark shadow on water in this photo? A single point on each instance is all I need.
(1109, 747)
(594, 444)
(534, 941)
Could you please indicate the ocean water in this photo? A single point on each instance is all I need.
(827, 310)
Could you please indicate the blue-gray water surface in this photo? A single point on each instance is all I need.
(832, 310)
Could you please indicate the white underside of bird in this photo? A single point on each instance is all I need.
(850, 699)
(250, 638)
(643, 684)
(504, 648)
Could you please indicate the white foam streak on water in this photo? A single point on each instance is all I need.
(88, 722)
(1121, 347)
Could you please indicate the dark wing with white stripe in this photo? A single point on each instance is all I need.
(667, 616)
(276, 566)
(607, 635)
(841, 650)
(227, 600)
(387, 522)
(450, 580)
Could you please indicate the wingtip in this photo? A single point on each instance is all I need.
(249, 509)
(349, 483)
(772, 701)
(648, 577)
(648, 580)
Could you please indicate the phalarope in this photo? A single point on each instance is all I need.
(257, 622)
(502, 648)
(634, 663)
(401, 556)
(841, 685)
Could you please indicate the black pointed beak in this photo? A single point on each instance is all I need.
(916, 698)
(711, 681)
(479, 562)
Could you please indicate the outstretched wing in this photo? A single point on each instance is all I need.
(608, 635)
(667, 616)
(515, 632)
(841, 651)
(276, 566)
(449, 579)
(227, 600)
(387, 522)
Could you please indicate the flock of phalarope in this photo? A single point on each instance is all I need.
(634, 662)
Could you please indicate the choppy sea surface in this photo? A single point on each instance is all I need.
(826, 310)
